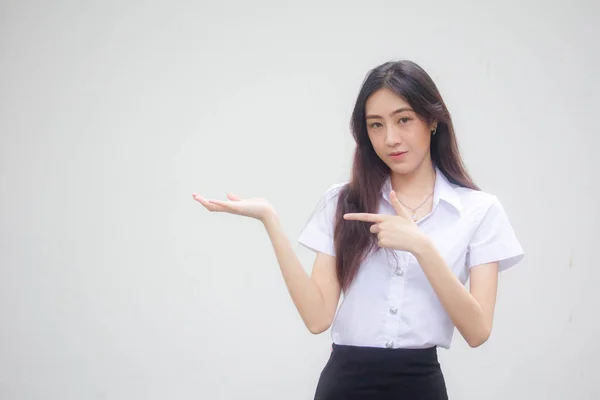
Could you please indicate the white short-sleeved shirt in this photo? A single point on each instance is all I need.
(390, 302)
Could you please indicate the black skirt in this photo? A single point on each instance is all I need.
(367, 373)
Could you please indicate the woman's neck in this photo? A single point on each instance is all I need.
(416, 184)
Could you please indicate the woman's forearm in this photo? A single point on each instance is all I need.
(305, 293)
(463, 309)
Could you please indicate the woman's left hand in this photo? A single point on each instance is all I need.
(398, 232)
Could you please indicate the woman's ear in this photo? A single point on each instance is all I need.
(433, 127)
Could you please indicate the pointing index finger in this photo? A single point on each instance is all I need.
(367, 217)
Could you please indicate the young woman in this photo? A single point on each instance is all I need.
(399, 240)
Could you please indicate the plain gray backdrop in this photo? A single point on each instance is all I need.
(115, 284)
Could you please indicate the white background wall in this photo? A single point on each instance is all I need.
(115, 284)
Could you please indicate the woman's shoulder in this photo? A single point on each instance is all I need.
(485, 210)
(334, 190)
(329, 198)
(494, 239)
(477, 201)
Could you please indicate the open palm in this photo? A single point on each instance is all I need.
(257, 208)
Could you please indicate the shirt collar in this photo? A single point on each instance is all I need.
(443, 190)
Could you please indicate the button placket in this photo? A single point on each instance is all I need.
(404, 266)
(395, 299)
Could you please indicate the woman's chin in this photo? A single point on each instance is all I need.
(401, 168)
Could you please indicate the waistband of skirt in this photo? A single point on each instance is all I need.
(365, 353)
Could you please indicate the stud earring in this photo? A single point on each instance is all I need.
(433, 132)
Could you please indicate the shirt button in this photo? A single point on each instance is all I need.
(393, 310)
(389, 345)
(399, 271)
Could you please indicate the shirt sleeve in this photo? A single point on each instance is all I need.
(317, 234)
(495, 240)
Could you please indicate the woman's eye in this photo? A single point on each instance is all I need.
(375, 125)
(404, 120)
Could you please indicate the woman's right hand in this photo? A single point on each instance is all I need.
(257, 208)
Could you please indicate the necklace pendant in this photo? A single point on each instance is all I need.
(414, 217)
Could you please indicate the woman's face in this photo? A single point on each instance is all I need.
(399, 136)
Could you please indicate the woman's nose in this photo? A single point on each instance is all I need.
(392, 135)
